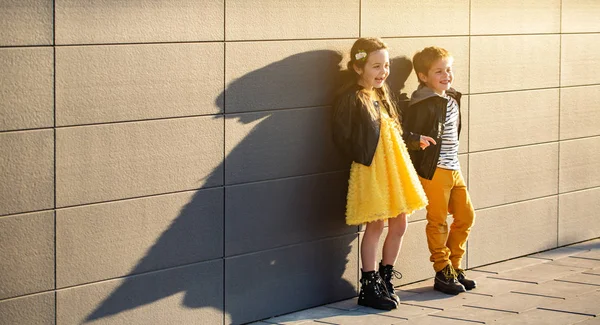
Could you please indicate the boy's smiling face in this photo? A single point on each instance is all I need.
(439, 77)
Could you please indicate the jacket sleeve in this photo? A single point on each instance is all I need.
(343, 109)
(411, 137)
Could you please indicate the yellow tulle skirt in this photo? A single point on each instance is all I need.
(387, 188)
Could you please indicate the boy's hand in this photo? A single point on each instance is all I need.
(425, 141)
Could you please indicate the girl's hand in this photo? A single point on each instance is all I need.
(425, 141)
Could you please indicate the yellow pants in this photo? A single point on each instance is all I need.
(447, 193)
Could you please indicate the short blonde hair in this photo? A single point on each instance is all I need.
(423, 60)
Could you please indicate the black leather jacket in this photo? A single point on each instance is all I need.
(426, 115)
(354, 132)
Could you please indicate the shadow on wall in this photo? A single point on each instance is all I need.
(265, 217)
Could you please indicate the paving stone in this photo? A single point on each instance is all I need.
(554, 287)
(403, 311)
(420, 286)
(405, 294)
(494, 287)
(473, 314)
(350, 304)
(358, 318)
(308, 322)
(557, 289)
(513, 302)
(433, 320)
(593, 255)
(539, 273)
(305, 316)
(577, 262)
(537, 316)
(510, 265)
(588, 245)
(476, 274)
(427, 285)
(584, 304)
(438, 300)
(582, 278)
(559, 253)
(590, 321)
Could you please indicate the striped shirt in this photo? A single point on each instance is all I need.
(449, 151)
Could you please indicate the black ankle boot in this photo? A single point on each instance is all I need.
(373, 292)
(462, 278)
(386, 272)
(446, 281)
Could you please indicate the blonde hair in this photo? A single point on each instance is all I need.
(369, 45)
(423, 60)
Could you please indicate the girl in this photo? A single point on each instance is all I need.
(383, 184)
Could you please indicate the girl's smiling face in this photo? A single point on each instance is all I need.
(439, 77)
(375, 71)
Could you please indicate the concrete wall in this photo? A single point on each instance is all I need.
(170, 161)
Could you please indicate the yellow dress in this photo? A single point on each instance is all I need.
(390, 186)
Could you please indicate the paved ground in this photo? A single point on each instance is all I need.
(560, 286)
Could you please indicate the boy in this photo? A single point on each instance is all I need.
(431, 130)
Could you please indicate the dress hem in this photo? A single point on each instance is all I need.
(386, 216)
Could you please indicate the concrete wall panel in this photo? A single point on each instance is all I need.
(269, 20)
(26, 88)
(502, 63)
(25, 22)
(27, 254)
(98, 84)
(261, 146)
(579, 164)
(274, 282)
(579, 112)
(124, 160)
(108, 240)
(578, 216)
(191, 294)
(580, 59)
(580, 16)
(513, 230)
(510, 175)
(387, 18)
(282, 74)
(114, 21)
(287, 211)
(31, 310)
(514, 119)
(515, 17)
(27, 165)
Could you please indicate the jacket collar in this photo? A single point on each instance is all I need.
(423, 92)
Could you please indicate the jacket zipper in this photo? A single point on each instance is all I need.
(439, 137)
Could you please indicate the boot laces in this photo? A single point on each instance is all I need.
(395, 274)
(449, 272)
(389, 272)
